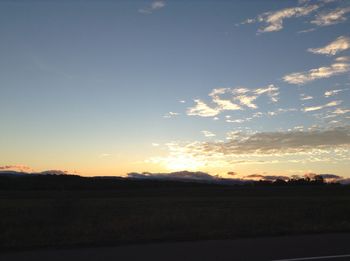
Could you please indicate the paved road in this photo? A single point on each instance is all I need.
(307, 247)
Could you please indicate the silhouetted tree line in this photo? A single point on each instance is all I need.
(305, 181)
(75, 182)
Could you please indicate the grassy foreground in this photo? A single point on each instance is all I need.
(67, 218)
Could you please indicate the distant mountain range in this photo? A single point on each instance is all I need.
(182, 176)
(192, 177)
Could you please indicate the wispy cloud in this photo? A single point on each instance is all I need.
(305, 97)
(154, 6)
(208, 134)
(28, 170)
(224, 104)
(104, 155)
(343, 59)
(266, 177)
(318, 73)
(232, 99)
(340, 111)
(340, 44)
(333, 92)
(316, 108)
(171, 114)
(237, 120)
(274, 20)
(18, 167)
(202, 109)
(306, 30)
(278, 111)
(333, 17)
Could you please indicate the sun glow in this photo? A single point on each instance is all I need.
(182, 162)
(178, 162)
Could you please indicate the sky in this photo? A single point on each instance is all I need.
(111, 87)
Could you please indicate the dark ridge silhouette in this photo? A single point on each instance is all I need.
(12, 180)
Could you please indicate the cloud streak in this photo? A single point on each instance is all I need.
(154, 6)
(340, 111)
(333, 17)
(18, 167)
(340, 44)
(333, 92)
(171, 114)
(202, 109)
(208, 134)
(304, 97)
(316, 108)
(300, 78)
(274, 20)
(232, 99)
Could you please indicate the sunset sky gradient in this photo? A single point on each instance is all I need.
(111, 87)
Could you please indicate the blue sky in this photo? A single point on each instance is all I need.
(89, 86)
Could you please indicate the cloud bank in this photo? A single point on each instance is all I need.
(282, 142)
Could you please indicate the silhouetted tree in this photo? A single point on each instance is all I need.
(319, 180)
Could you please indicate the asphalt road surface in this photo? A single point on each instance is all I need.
(307, 247)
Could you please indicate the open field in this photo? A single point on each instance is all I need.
(284, 248)
(34, 219)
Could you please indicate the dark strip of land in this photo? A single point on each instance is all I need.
(61, 212)
(261, 249)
